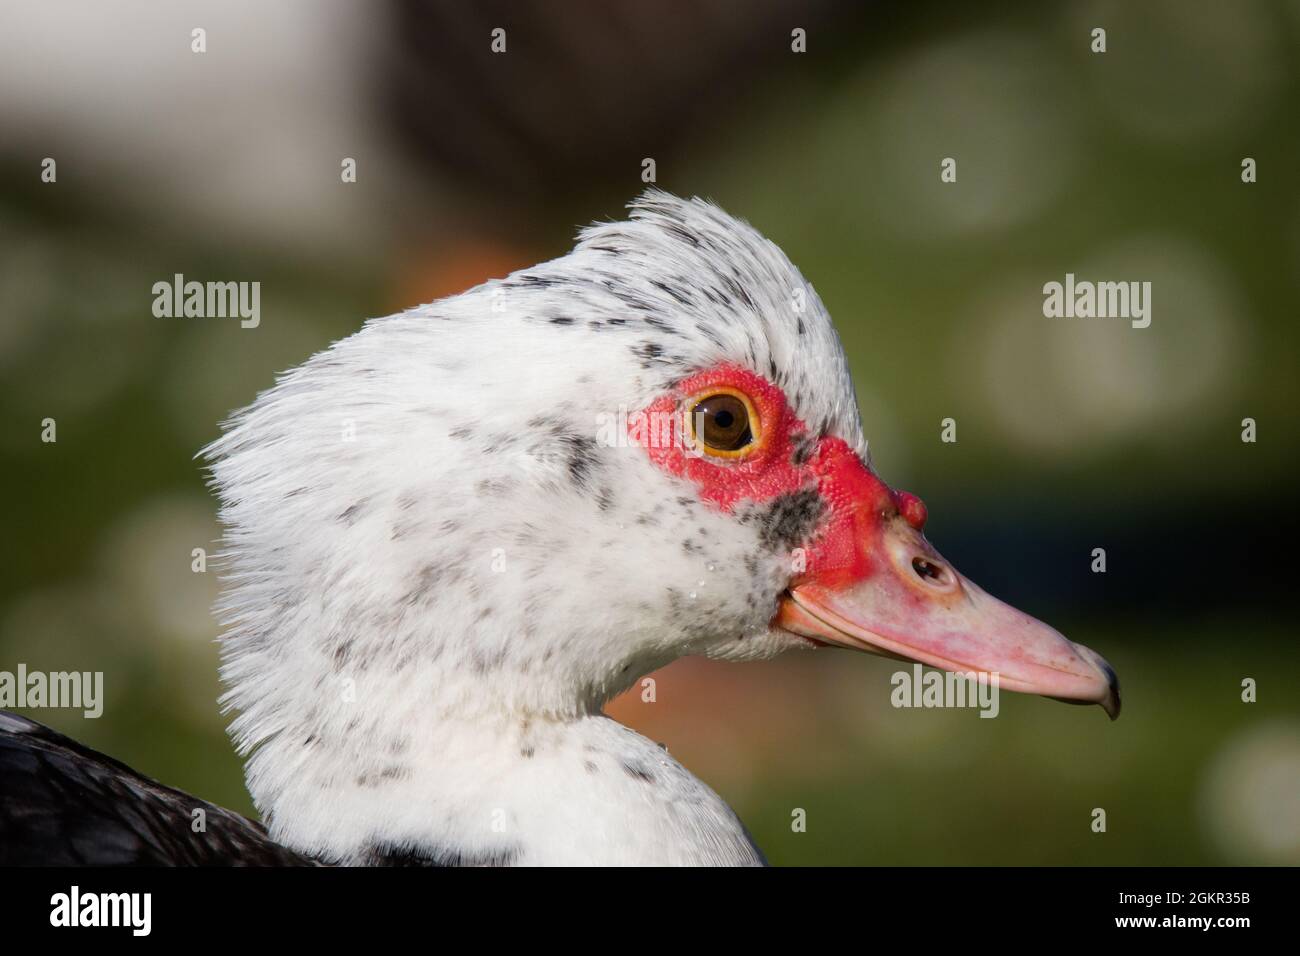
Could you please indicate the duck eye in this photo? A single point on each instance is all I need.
(723, 423)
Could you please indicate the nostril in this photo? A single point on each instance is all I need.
(927, 570)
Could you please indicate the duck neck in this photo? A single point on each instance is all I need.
(504, 789)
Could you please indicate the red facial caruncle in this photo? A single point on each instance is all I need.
(868, 578)
(783, 459)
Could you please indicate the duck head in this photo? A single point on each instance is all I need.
(510, 504)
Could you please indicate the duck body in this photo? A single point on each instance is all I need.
(63, 804)
(592, 793)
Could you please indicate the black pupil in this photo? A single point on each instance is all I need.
(723, 423)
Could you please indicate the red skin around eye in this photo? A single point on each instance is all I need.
(759, 476)
(856, 501)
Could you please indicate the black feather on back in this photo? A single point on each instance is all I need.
(62, 804)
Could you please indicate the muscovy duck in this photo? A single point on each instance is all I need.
(453, 536)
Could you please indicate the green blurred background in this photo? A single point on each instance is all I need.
(1072, 435)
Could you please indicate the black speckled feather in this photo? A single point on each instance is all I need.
(62, 804)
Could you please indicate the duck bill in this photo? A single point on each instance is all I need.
(910, 604)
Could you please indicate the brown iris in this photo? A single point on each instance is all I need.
(722, 423)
